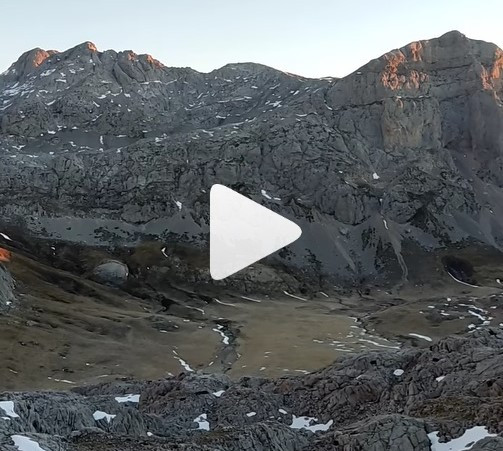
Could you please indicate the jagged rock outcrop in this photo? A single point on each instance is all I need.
(398, 158)
(387, 433)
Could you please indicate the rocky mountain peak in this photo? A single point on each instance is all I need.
(84, 47)
(450, 51)
(445, 50)
(37, 56)
(445, 66)
(28, 62)
(39, 63)
(453, 36)
(132, 63)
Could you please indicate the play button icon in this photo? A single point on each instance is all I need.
(243, 232)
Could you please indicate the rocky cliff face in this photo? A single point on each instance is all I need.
(399, 158)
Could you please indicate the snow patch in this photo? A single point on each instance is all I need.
(293, 296)
(246, 298)
(184, 364)
(25, 444)
(310, 424)
(464, 283)
(423, 337)
(99, 415)
(477, 315)
(8, 408)
(202, 421)
(65, 381)
(375, 343)
(264, 193)
(46, 73)
(225, 338)
(128, 398)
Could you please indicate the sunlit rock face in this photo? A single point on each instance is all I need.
(398, 159)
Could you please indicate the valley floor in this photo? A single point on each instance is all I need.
(65, 330)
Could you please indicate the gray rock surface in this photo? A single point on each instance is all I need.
(388, 433)
(488, 444)
(399, 158)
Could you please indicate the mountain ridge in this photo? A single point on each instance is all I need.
(38, 55)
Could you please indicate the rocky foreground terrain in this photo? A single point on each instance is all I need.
(114, 337)
(449, 396)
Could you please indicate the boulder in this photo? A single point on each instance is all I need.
(111, 272)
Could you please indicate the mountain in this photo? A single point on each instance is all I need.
(398, 159)
(112, 334)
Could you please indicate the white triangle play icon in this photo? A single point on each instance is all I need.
(242, 232)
